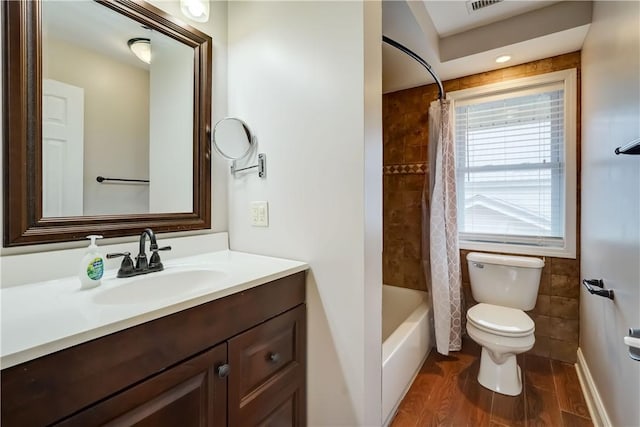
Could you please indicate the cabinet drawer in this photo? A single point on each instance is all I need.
(267, 365)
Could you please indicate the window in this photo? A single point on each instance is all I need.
(515, 159)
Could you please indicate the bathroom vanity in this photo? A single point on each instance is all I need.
(215, 339)
(234, 354)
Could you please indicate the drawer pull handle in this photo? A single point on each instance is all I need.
(274, 357)
(224, 370)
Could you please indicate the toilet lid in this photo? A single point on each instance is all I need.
(500, 320)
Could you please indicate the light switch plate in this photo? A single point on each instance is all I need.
(259, 214)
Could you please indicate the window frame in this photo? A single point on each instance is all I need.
(568, 79)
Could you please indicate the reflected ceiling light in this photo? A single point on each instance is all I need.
(503, 58)
(141, 48)
(197, 10)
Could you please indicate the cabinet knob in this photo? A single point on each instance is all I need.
(224, 370)
(274, 357)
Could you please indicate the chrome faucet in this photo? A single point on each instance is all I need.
(142, 265)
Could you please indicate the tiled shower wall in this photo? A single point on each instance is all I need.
(405, 139)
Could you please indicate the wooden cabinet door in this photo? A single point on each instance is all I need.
(285, 413)
(267, 379)
(190, 394)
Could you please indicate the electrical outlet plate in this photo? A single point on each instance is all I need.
(259, 214)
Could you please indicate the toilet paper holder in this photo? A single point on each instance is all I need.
(599, 283)
(633, 341)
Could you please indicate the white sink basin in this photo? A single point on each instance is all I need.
(156, 286)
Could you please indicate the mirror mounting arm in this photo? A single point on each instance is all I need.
(262, 166)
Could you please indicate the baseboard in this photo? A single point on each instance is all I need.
(597, 410)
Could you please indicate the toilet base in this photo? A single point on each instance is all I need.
(503, 378)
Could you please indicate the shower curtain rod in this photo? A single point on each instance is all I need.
(421, 61)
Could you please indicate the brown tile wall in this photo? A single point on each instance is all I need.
(405, 141)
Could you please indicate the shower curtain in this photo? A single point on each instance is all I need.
(440, 251)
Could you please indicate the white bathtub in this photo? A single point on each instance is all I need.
(407, 338)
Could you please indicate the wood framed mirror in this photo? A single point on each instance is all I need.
(38, 186)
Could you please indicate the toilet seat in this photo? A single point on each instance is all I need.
(499, 320)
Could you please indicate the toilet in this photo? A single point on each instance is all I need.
(504, 286)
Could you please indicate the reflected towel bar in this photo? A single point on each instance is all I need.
(102, 179)
(599, 283)
(631, 148)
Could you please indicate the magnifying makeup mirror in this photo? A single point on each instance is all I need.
(232, 139)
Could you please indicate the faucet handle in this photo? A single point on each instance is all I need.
(118, 254)
(126, 267)
(154, 261)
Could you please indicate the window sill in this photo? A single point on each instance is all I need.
(518, 249)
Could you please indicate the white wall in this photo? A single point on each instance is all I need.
(306, 76)
(611, 204)
(216, 27)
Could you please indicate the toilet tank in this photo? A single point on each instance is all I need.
(510, 281)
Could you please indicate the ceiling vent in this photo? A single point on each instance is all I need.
(475, 5)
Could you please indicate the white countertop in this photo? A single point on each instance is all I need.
(42, 318)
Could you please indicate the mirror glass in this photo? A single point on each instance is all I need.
(107, 113)
(82, 101)
(232, 138)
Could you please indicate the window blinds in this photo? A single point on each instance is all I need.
(511, 168)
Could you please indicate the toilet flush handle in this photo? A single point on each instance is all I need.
(478, 265)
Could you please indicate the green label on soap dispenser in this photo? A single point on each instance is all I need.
(95, 269)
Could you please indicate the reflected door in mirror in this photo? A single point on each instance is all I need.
(62, 149)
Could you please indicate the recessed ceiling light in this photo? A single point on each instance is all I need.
(196, 10)
(503, 58)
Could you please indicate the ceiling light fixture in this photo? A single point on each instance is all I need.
(503, 58)
(196, 10)
(141, 48)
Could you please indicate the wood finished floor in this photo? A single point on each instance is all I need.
(446, 392)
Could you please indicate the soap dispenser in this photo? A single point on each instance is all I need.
(92, 265)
